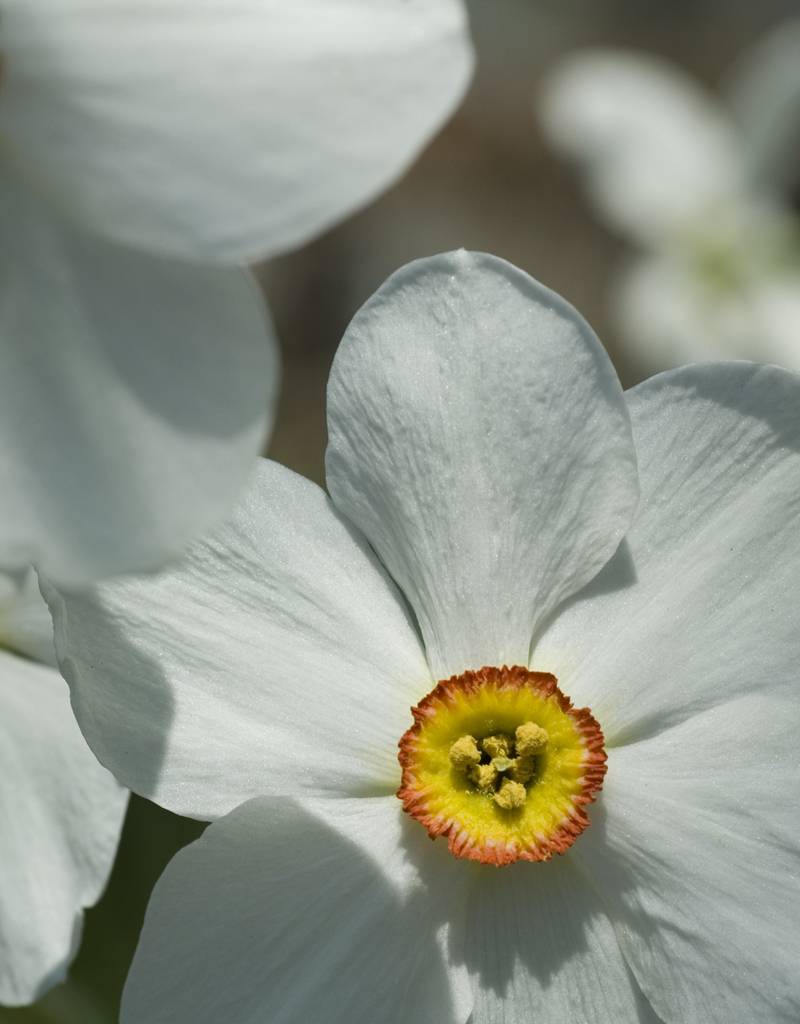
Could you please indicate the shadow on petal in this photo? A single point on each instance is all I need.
(538, 921)
(618, 573)
(275, 915)
(127, 726)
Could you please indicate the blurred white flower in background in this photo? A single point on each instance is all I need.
(223, 131)
(61, 811)
(482, 467)
(703, 188)
(135, 393)
(136, 389)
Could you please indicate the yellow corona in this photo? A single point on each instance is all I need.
(502, 764)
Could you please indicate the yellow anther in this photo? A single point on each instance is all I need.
(497, 746)
(464, 753)
(522, 769)
(483, 775)
(510, 795)
(531, 739)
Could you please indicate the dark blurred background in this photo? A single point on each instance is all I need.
(487, 182)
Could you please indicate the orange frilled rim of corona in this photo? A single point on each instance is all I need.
(546, 810)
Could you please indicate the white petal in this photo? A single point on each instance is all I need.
(541, 948)
(478, 437)
(694, 848)
(25, 623)
(62, 814)
(135, 393)
(764, 91)
(282, 913)
(669, 314)
(665, 319)
(224, 132)
(776, 310)
(700, 603)
(657, 151)
(276, 658)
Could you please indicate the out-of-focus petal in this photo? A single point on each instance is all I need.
(764, 92)
(656, 150)
(668, 315)
(61, 816)
(25, 623)
(775, 304)
(479, 438)
(135, 393)
(665, 319)
(224, 131)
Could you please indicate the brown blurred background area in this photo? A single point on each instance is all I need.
(487, 182)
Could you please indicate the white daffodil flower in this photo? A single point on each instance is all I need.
(135, 393)
(482, 469)
(61, 811)
(699, 186)
(223, 131)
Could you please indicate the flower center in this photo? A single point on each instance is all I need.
(501, 763)
(501, 766)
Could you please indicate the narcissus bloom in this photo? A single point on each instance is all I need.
(61, 811)
(700, 186)
(218, 131)
(593, 692)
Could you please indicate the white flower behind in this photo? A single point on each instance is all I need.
(482, 469)
(62, 812)
(697, 186)
(763, 90)
(223, 131)
(135, 393)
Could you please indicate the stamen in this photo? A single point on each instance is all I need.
(496, 746)
(464, 753)
(510, 795)
(484, 776)
(522, 770)
(530, 739)
(507, 764)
